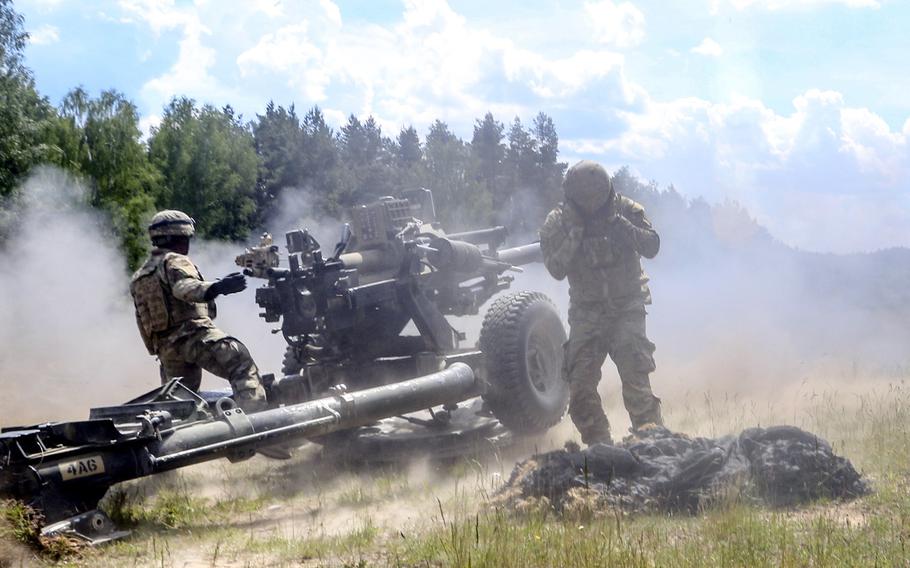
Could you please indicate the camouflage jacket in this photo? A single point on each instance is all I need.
(601, 255)
(169, 297)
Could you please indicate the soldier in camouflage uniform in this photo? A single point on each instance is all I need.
(174, 310)
(596, 238)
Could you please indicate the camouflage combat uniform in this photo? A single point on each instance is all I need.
(175, 322)
(608, 291)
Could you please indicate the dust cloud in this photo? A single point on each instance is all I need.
(737, 313)
(734, 311)
(68, 339)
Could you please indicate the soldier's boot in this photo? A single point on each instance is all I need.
(597, 436)
(640, 402)
(249, 393)
(250, 399)
(648, 419)
(253, 400)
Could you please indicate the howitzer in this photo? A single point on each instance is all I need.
(64, 469)
(375, 311)
(350, 362)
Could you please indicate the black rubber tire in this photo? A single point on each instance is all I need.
(522, 340)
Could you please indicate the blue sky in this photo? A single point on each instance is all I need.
(796, 108)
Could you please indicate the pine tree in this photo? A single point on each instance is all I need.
(209, 163)
(407, 148)
(278, 136)
(321, 163)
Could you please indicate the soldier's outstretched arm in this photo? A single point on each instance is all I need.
(638, 231)
(186, 282)
(559, 241)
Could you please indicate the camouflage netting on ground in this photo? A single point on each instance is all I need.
(659, 470)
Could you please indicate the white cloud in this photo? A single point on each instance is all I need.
(622, 24)
(43, 5)
(562, 78)
(776, 5)
(192, 73)
(272, 8)
(162, 15)
(189, 76)
(148, 122)
(432, 63)
(842, 159)
(44, 35)
(709, 48)
(331, 11)
(288, 51)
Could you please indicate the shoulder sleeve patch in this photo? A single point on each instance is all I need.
(180, 265)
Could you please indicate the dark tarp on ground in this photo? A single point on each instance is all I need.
(661, 470)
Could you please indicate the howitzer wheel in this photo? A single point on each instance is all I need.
(522, 340)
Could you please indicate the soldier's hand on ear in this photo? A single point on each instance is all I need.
(572, 217)
(622, 224)
(622, 230)
(574, 226)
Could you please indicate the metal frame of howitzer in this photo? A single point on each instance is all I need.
(343, 317)
(64, 469)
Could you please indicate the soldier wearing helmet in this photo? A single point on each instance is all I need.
(174, 310)
(596, 239)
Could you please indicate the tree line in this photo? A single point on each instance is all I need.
(230, 173)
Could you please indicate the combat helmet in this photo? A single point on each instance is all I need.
(172, 223)
(588, 185)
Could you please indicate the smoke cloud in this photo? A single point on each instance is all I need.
(734, 310)
(68, 336)
(68, 339)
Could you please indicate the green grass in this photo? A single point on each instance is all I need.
(306, 515)
(173, 508)
(364, 491)
(738, 536)
(21, 524)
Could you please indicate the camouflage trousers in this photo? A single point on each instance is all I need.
(595, 333)
(211, 349)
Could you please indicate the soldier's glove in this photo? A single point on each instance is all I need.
(230, 284)
(623, 231)
(573, 226)
(571, 217)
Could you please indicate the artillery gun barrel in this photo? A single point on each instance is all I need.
(525, 254)
(340, 412)
(481, 236)
(373, 260)
(67, 482)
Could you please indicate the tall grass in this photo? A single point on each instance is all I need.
(452, 518)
